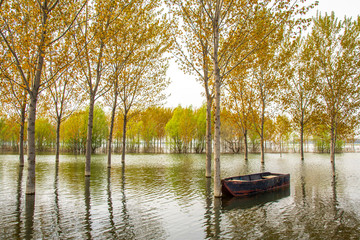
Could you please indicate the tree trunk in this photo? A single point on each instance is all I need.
(89, 137)
(262, 137)
(124, 138)
(111, 129)
(21, 140)
(302, 141)
(57, 147)
(332, 145)
(246, 151)
(33, 94)
(262, 148)
(30, 183)
(208, 138)
(217, 147)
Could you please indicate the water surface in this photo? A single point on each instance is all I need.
(168, 197)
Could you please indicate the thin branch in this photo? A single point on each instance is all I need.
(18, 65)
(71, 24)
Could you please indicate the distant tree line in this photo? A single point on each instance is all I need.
(166, 130)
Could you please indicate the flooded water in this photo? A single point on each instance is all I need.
(168, 197)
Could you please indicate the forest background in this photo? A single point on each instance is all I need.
(167, 130)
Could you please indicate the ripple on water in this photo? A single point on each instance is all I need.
(167, 197)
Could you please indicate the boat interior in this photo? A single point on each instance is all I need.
(253, 177)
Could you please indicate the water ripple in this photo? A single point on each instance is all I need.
(167, 197)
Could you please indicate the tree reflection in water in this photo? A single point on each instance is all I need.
(87, 199)
(57, 231)
(29, 216)
(166, 196)
(127, 229)
(208, 213)
(18, 202)
(110, 205)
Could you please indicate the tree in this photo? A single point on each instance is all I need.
(181, 128)
(7, 132)
(148, 128)
(162, 116)
(63, 96)
(131, 39)
(27, 36)
(231, 133)
(335, 49)
(201, 129)
(14, 99)
(100, 129)
(301, 86)
(133, 134)
(143, 78)
(44, 134)
(264, 71)
(153, 121)
(187, 128)
(122, 51)
(282, 130)
(239, 102)
(192, 50)
(173, 129)
(73, 132)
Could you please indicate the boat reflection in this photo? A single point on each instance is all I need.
(229, 203)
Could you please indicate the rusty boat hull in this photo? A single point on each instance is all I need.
(251, 184)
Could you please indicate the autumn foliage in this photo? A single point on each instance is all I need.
(89, 76)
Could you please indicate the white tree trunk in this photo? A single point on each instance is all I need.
(217, 176)
(208, 139)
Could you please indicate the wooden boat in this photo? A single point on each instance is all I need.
(253, 183)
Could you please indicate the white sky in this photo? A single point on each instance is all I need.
(184, 90)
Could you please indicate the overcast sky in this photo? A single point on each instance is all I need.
(184, 90)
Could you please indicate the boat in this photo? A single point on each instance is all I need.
(251, 184)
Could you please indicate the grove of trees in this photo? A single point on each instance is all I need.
(89, 75)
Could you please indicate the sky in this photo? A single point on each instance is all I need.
(184, 90)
